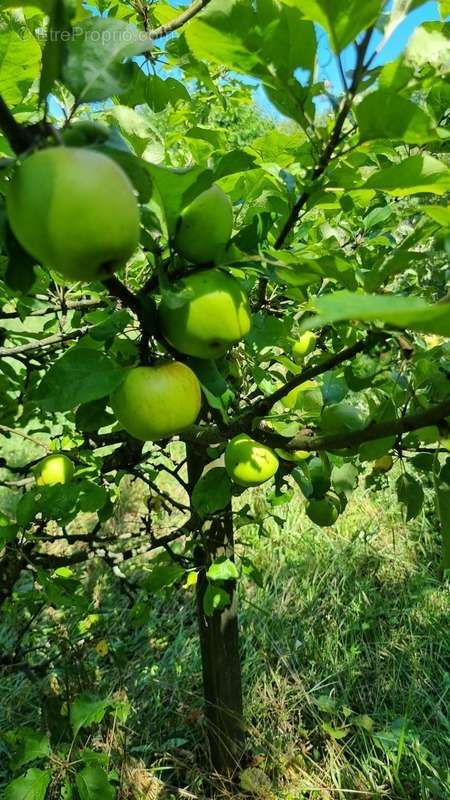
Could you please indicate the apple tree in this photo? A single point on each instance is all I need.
(190, 290)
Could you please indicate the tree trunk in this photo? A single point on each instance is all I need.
(219, 641)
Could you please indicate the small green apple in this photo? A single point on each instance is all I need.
(319, 474)
(75, 211)
(205, 226)
(215, 316)
(304, 346)
(384, 463)
(157, 402)
(323, 512)
(55, 468)
(84, 132)
(295, 456)
(248, 462)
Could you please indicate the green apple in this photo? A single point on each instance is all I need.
(75, 211)
(384, 463)
(319, 474)
(295, 456)
(55, 468)
(204, 227)
(84, 132)
(304, 346)
(248, 462)
(323, 512)
(214, 316)
(157, 402)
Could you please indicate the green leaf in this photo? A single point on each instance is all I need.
(32, 786)
(92, 784)
(20, 58)
(443, 510)
(53, 502)
(222, 569)
(343, 20)
(212, 492)
(395, 311)
(410, 494)
(93, 68)
(162, 576)
(251, 571)
(79, 376)
(112, 325)
(177, 187)
(28, 745)
(87, 709)
(388, 115)
(345, 478)
(54, 50)
(214, 599)
(217, 391)
(420, 173)
(154, 91)
(440, 214)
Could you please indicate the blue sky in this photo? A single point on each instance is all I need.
(429, 12)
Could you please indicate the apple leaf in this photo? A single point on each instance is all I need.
(410, 494)
(388, 115)
(20, 58)
(54, 49)
(214, 599)
(212, 492)
(420, 173)
(222, 569)
(341, 19)
(399, 312)
(94, 68)
(79, 376)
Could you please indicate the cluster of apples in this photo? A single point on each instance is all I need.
(76, 212)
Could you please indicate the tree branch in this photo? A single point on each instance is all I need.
(56, 338)
(261, 407)
(379, 430)
(21, 137)
(71, 305)
(178, 22)
(205, 436)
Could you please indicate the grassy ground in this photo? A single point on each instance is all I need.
(346, 661)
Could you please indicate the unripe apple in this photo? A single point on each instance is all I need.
(304, 346)
(323, 512)
(216, 314)
(85, 132)
(205, 226)
(55, 468)
(157, 402)
(75, 211)
(384, 463)
(248, 462)
(295, 456)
